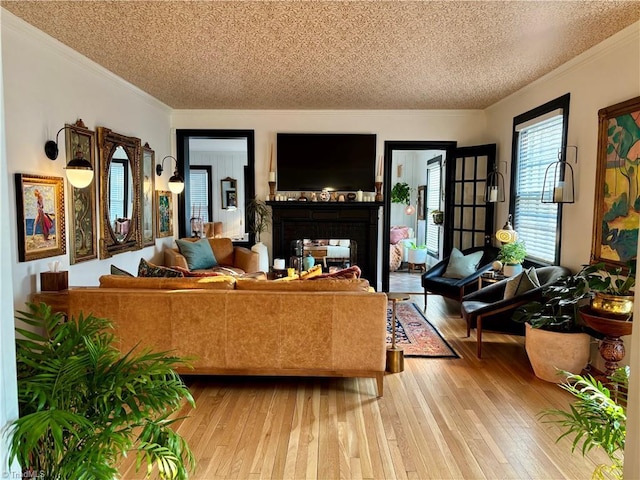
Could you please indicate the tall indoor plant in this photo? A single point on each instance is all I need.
(259, 219)
(84, 405)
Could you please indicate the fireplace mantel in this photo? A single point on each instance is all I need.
(294, 220)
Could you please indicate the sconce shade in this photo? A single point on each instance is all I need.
(176, 182)
(507, 234)
(79, 169)
(558, 184)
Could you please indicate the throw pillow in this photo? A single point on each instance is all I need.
(397, 234)
(118, 271)
(521, 283)
(188, 273)
(345, 273)
(199, 255)
(460, 265)
(146, 269)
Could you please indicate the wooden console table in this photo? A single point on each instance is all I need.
(57, 300)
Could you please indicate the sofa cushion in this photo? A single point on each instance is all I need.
(321, 285)
(461, 265)
(199, 254)
(521, 283)
(118, 271)
(167, 283)
(147, 269)
(351, 272)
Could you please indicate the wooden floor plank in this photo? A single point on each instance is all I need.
(465, 418)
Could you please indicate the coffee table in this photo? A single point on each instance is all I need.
(395, 355)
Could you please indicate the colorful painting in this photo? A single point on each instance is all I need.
(82, 208)
(164, 218)
(40, 213)
(617, 210)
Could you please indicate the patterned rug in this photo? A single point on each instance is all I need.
(415, 335)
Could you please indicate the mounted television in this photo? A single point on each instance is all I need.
(336, 161)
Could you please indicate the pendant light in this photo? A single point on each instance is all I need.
(507, 234)
(558, 184)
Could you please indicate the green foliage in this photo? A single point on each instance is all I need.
(414, 246)
(401, 193)
(597, 419)
(84, 405)
(258, 217)
(557, 311)
(512, 253)
(613, 281)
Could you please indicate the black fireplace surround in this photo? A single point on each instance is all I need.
(358, 221)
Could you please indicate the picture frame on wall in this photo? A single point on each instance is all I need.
(147, 200)
(164, 214)
(83, 241)
(617, 197)
(422, 190)
(40, 216)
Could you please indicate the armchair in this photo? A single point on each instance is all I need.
(238, 259)
(433, 281)
(487, 306)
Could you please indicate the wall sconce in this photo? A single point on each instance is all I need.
(176, 182)
(558, 179)
(79, 169)
(507, 234)
(494, 190)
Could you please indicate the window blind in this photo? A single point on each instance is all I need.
(116, 191)
(199, 182)
(536, 222)
(433, 203)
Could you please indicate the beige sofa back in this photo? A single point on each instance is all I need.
(249, 332)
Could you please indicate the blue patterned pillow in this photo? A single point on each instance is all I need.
(199, 255)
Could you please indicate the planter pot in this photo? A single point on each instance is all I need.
(616, 305)
(510, 269)
(438, 218)
(549, 352)
(417, 256)
(262, 251)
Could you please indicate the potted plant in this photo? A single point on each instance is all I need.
(84, 405)
(612, 287)
(401, 193)
(512, 255)
(438, 216)
(259, 218)
(597, 419)
(416, 254)
(555, 338)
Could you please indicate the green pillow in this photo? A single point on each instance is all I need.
(199, 255)
(521, 283)
(460, 265)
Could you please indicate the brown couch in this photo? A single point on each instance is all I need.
(229, 326)
(239, 259)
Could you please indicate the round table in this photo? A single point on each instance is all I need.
(395, 355)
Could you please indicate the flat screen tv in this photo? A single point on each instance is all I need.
(336, 161)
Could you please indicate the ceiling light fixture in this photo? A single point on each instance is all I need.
(79, 169)
(176, 182)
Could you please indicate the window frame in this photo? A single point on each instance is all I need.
(209, 171)
(562, 103)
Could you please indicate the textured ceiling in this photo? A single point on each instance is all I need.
(329, 54)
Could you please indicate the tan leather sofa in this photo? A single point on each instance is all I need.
(239, 259)
(233, 326)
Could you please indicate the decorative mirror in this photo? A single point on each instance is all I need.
(120, 192)
(147, 211)
(228, 190)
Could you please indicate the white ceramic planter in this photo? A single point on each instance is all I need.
(417, 255)
(549, 352)
(261, 249)
(509, 270)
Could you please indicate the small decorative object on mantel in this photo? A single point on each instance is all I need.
(302, 197)
(314, 197)
(341, 197)
(352, 196)
(325, 196)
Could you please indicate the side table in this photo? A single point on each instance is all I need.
(395, 355)
(57, 300)
(483, 280)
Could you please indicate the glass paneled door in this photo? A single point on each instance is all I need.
(469, 219)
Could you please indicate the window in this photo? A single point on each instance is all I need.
(200, 192)
(538, 136)
(118, 195)
(433, 203)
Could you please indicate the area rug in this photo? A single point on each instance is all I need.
(415, 335)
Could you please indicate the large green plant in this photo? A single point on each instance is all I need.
(401, 193)
(597, 419)
(84, 405)
(610, 280)
(258, 217)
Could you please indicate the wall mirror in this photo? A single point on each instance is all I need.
(209, 160)
(228, 193)
(120, 192)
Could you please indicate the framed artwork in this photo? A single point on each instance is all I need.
(147, 173)
(422, 190)
(231, 199)
(617, 199)
(164, 214)
(40, 214)
(82, 207)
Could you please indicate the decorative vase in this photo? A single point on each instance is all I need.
(308, 261)
(263, 256)
(511, 269)
(438, 218)
(549, 352)
(417, 256)
(616, 305)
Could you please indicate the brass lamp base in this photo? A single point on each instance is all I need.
(395, 360)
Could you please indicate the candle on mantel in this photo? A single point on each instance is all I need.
(272, 176)
(378, 178)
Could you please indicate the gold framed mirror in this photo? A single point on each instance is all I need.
(229, 193)
(120, 192)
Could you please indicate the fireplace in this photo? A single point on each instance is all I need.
(355, 221)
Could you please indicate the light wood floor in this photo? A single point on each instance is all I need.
(439, 419)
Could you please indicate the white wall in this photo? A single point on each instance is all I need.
(46, 85)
